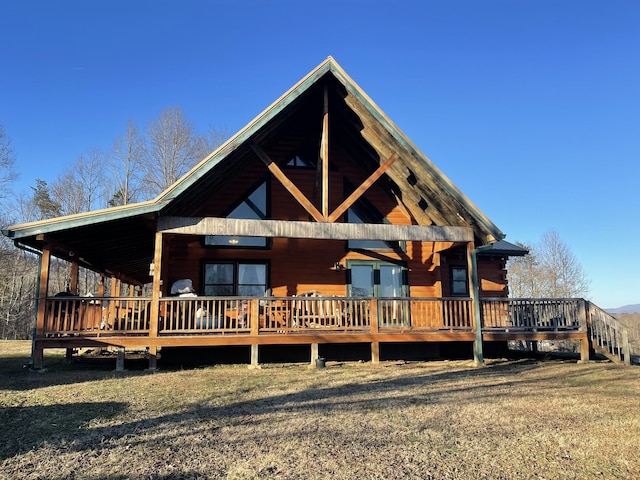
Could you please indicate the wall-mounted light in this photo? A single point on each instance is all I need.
(337, 267)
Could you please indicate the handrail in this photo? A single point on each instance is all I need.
(104, 316)
(546, 314)
(608, 334)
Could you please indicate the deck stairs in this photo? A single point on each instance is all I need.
(608, 336)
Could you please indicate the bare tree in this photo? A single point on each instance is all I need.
(79, 188)
(7, 163)
(208, 142)
(563, 273)
(525, 277)
(549, 270)
(171, 150)
(126, 161)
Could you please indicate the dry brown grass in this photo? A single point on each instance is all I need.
(524, 419)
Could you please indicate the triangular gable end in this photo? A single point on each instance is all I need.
(426, 191)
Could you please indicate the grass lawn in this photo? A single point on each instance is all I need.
(548, 419)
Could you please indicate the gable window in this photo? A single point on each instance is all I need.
(358, 214)
(254, 207)
(237, 278)
(298, 162)
(459, 282)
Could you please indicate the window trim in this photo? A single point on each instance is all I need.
(236, 274)
(464, 269)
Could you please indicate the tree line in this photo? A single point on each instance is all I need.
(140, 165)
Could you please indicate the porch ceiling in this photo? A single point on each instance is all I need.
(122, 247)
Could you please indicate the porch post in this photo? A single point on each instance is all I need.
(73, 289)
(37, 352)
(474, 292)
(375, 345)
(114, 293)
(586, 346)
(75, 273)
(155, 300)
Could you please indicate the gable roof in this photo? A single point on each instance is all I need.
(429, 193)
(364, 131)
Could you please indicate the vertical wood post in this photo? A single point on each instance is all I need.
(314, 354)
(120, 360)
(626, 349)
(155, 299)
(585, 348)
(375, 345)
(324, 154)
(474, 292)
(375, 352)
(114, 293)
(37, 352)
(373, 316)
(75, 274)
(73, 289)
(255, 355)
(254, 309)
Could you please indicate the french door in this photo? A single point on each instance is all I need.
(382, 280)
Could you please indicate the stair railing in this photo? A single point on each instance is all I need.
(608, 335)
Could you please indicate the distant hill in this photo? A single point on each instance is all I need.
(626, 309)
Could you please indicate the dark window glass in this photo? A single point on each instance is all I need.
(459, 281)
(253, 208)
(235, 278)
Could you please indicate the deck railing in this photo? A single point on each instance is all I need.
(250, 315)
(535, 314)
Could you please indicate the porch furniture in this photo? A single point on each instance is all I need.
(314, 312)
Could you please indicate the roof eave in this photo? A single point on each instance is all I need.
(32, 229)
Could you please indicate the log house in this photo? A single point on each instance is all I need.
(318, 223)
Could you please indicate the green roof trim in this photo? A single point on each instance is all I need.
(81, 219)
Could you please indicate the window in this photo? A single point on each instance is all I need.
(459, 282)
(254, 207)
(298, 162)
(363, 211)
(353, 217)
(245, 279)
(376, 279)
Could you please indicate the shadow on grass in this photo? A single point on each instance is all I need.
(26, 428)
(15, 373)
(69, 425)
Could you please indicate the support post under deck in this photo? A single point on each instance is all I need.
(254, 355)
(314, 354)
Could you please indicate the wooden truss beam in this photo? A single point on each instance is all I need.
(288, 184)
(358, 192)
(323, 230)
(324, 154)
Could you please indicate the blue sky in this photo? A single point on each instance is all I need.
(532, 108)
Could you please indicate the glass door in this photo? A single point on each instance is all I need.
(383, 280)
(362, 281)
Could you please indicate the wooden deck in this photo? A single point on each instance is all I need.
(72, 322)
